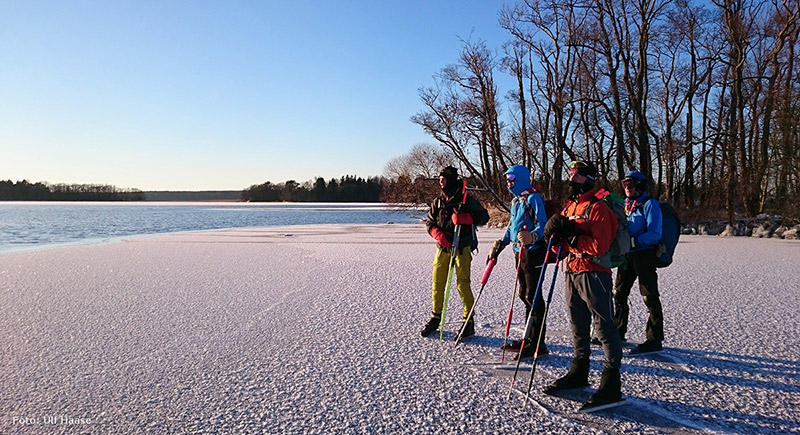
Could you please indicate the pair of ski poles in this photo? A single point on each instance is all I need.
(489, 266)
(522, 253)
(529, 320)
(451, 267)
(484, 279)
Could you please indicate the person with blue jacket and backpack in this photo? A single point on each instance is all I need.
(644, 227)
(526, 230)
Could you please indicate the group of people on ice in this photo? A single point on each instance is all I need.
(583, 233)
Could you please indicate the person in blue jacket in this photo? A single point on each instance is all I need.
(644, 227)
(526, 230)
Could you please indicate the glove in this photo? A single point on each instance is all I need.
(560, 226)
(441, 238)
(462, 219)
(527, 237)
(497, 248)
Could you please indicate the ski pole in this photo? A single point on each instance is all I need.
(451, 267)
(513, 298)
(541, 330)
(484, 279)
(530, 315)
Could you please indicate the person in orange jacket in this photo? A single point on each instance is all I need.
(585, 230)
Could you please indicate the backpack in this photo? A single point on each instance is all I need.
(670, 233)
(551, 207)
(621, 244)
(622, 240)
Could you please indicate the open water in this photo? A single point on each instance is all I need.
(35, 225)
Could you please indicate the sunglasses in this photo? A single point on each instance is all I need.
(576, 177)
(628, 184)
(511, 179)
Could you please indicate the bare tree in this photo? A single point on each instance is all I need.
(547, 26)
(702, 97)
(461, 114)
(424, 160)
(515, 63)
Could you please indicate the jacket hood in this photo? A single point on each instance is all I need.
(523, 179)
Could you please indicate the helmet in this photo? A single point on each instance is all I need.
(581, 177)
(636, 176)
(587, 170)
(638, 179)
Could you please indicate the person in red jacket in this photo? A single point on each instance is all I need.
(585, 231)
(448, 211)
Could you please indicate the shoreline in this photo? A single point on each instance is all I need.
(4, 250)
(34, 226)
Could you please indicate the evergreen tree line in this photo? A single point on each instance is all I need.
(26, 191)
(346, 189)
(703, 97)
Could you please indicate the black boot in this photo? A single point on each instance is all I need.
(648, 346)
(513, 346)
(469, 329)
(577, 377)
(609, 391)
(530, 349)
(431, 326)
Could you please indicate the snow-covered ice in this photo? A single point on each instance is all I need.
(315, 329)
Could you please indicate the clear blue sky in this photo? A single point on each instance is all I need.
(198, 95)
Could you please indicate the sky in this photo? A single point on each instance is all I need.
(221, 95)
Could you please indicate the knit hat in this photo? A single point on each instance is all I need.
(450, 174)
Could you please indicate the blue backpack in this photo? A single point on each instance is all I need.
(670, 233)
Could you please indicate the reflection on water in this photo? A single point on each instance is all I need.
(32, 225)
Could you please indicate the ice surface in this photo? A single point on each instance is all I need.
(315, 329)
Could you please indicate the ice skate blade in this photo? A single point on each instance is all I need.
(588, 408)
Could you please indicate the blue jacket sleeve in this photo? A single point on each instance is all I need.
(652, 234)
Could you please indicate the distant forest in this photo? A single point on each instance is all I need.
(346, 189)
(26, 191)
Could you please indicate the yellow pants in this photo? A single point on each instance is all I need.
(441, 265)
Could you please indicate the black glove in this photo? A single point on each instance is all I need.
(561, 227)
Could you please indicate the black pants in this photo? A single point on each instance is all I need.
(588, 298)
(529, 271)
(641, 265)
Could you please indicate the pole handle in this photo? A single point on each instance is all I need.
(488, 271)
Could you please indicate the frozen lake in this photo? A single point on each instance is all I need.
(315, 329)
